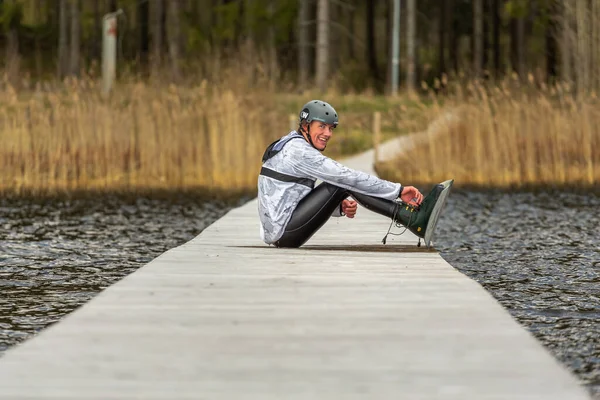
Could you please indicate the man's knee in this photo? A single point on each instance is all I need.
(333, 189)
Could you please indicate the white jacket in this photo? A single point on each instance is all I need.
(291, 174)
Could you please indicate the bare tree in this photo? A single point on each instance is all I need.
(453, 37)
(97, 36)
(250, 41)
(143, 17)
(595, 50)
(156, 13)
(350, 37)
(336, 12)
(478, 37)
(37, 14)
(521, 45)
(272, 49)
(583, 46)
(579, 47)
(303, 45)
(551, 43)
(496, 23)
(322, 44)
(371, 51)
(389, 32)
(248, 15)
(75, 39)
(517, 45)
(566, 43)
(411, 26)
(173, 37)
(443, 33)
(12, 45)
(63, 40)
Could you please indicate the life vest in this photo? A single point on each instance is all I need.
(271, 151)
(277, 146)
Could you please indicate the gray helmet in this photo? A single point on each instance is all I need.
(317, 110)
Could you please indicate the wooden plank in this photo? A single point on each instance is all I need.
(226, 317)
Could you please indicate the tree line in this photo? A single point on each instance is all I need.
(312, 42)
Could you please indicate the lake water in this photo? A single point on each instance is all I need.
(56, 255)
(537, 253)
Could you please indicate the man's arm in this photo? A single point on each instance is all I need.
(311, 163)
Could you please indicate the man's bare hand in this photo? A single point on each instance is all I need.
(349, 208)
(411, 195)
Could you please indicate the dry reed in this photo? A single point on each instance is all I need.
(501, 138)
(211, 137)
(141, 138)
(65, 138)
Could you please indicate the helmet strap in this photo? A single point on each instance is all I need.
(307, 135)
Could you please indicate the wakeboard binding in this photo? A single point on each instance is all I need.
(422, 219)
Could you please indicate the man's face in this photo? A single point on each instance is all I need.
(320, 133)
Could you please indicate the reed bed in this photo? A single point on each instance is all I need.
(502, 138)
(64, 138)
(201, 137)
(142, 138)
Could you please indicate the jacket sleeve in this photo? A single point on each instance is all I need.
(309, 162)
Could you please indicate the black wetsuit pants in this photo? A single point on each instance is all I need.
(316, 208)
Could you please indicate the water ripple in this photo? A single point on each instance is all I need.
(56, 255)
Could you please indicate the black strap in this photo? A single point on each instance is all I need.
(277, 146)
(286, 178)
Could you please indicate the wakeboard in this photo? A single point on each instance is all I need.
(438, 208)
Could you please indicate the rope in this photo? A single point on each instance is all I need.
(398, 224)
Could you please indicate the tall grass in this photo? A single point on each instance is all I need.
(210, 137)
(65, 138)
(141, 138)
(502, 137)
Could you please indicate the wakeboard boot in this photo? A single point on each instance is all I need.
(422, 219)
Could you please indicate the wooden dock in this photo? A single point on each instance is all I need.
(226, 317)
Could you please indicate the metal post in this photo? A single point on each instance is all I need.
(396, 48)
(109, 50)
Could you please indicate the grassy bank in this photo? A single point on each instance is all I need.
(69, 140)
(501, 138)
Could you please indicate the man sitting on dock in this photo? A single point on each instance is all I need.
(292, 209)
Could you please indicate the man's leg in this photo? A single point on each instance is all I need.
(316, 208)
(419, 220)
(387, 208)
(311, 214)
